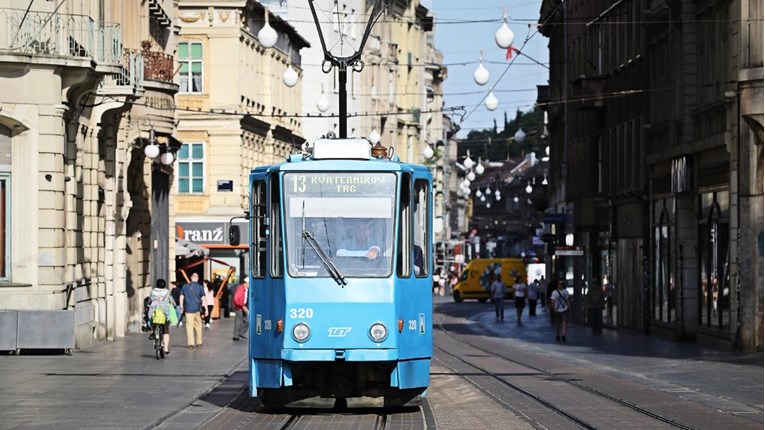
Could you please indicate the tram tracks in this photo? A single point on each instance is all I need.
(548, 399)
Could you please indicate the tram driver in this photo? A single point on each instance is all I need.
(362, 239)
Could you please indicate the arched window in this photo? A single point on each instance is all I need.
(664, 282)
(714, 290)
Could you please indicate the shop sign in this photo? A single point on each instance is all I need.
(207, 233)
(569, 251)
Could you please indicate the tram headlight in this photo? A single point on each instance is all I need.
(301, 332)
(378, 332)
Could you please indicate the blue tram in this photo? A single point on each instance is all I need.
(340, 275)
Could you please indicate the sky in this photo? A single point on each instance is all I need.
(461, 41)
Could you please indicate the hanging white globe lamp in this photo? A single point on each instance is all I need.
(481, 74)
(491, 101)
(469, 163)
(323, 103)
(520, 135)
(504, 36)
(471, 176)
(479, 168)
(290, 77)
(267, 35)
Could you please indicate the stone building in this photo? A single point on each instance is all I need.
(400, 61)
(234, 113)
(86, 86)
(656, 119)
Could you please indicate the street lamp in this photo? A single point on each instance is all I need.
(427, 152)
(342, 53)
(152, 149)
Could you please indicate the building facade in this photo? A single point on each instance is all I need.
(86, 87)
(234, 113)
(656, 122)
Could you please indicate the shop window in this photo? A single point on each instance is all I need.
(190, 62)
(664, 293)
(191, 168)
(714, 286)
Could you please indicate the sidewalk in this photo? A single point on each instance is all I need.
(723, 379)
(117, 384)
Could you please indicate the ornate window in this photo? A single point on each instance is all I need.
(190, 61)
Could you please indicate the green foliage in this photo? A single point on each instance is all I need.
(496, 146)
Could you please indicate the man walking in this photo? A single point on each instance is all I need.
(193, 306)
(242, 309)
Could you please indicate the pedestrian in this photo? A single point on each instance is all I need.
(497, 288)
(519, 296)
(193, 306)
(210, 296)
(559, 304)
(225, 296)
(533, 295)
(551, 286)
(162, 300)
(242, 309)
(542, 292)
(596, 296)
(436, 278)
(175, 291)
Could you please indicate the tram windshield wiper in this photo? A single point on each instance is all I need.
(333, 271)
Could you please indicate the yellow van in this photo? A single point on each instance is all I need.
(473, 282)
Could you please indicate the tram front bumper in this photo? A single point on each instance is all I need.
(298, 355)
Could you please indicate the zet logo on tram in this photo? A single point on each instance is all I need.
(338, 331)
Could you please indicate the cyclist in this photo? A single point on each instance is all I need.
(161, 299)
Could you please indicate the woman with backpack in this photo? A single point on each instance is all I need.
(162, 302)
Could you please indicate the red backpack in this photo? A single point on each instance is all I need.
(239, 297)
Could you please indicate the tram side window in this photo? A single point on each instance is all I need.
(421, 249)
(404, 260)
(277, 256)
(258, 228)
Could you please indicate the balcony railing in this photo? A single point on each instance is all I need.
(131, 73)
(60, 35)
(158, 66)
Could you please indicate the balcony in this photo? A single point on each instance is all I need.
(131, 74)
(158, 66)
(60, 35)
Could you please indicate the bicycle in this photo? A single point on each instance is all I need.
(159, 345)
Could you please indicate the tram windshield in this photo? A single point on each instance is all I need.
(350, 216)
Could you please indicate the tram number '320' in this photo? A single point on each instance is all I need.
(301, 313)
(412, 324)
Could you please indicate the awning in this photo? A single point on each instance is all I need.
(184, 248)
